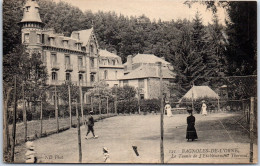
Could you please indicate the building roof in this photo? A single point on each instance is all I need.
(32, 15)
(105, 53)
(200, 92)
(84, 35)
(148, 58)
(147, 71)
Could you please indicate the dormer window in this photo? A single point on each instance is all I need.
(52, 41)
(65, 43)
(113, 62)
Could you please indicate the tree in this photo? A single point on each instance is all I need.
(63, 93)
(29, 71)
(100, 90)
(241, 49)
(126, 98)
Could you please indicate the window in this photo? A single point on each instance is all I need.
(91, 49)
(54, 76)
(51, 41)
(27, 8)
(92, 78)
(80, 77)
(113, 62)
(38, 38)
(67, 60)
(125, 82)
(53, 58)
(92, 62)
(80, 61)
(105, 74)
(26, 38)
(65, 44)
(68, 77)
(141, 96)
(141, 83)
(43, 40)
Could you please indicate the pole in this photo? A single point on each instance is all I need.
(116, 100)
(162, 112)
(192, 97)
(251, 129)
(99, 105)
(81, 103)
(14, 120)
(107, 104)
(91, 100)
(56, 108)
(218, 106)
(41, 119)
(24, 115)
(79, 136)
(139, 109)
(70, 106)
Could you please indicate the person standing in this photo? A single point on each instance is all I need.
(168, 109)
(90, 125)
(204, 108)
(191, 131)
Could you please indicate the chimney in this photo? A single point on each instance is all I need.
(129, 62)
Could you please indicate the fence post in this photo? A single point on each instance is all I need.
(41, 120)
(14, 120)
(251, 128)
(79, 136)
(162, 111)
(70, 106)
(56, 108)
(24, 115)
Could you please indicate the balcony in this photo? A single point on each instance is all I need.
(68, 67)
(93, 69)
(82, 69)
(55, 66)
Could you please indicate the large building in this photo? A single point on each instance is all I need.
(142, 72)
(110, 67)
(73, 58)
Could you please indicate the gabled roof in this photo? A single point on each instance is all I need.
(105, 53)
(200, 92)
(148, 58)
(84, 35)
(147, 71)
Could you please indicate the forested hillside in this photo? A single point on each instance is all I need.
(197, 52)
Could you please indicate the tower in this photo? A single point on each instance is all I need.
(31, 25)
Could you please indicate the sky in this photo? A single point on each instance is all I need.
(166, 10)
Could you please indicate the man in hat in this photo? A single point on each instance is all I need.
(204, 108)
(90, 125)
(168, 109)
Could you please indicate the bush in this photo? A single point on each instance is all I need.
(150, 105)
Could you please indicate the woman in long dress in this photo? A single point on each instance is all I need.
(168, 109)
(204, 108)
(191, 131)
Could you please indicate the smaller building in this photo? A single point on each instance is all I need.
(110, 67)
(142, 72)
